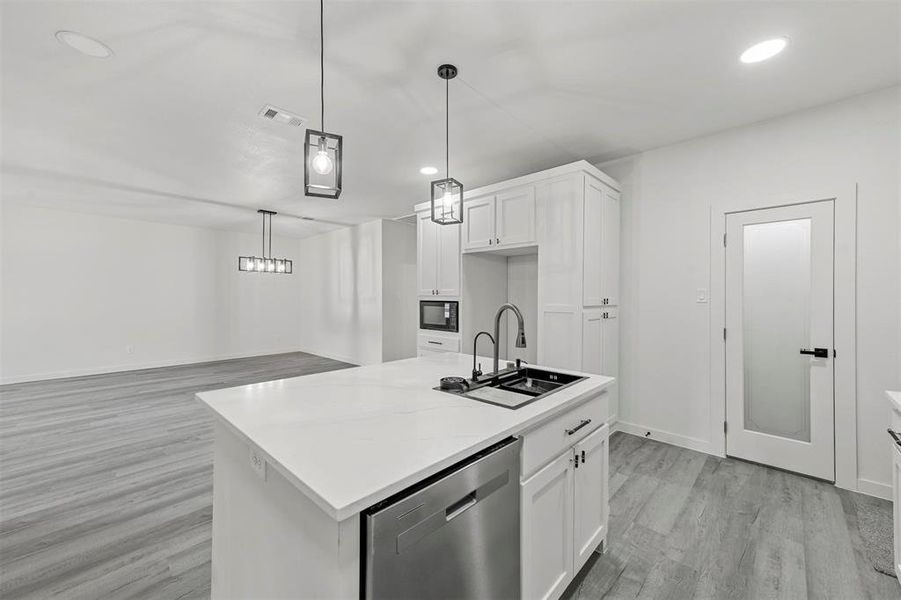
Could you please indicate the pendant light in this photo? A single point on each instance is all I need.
(321, 150)
(447, 193)
(264, 263)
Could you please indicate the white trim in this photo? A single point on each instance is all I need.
(666, 437)
(120, 368)
(845, 310)
(874, 488)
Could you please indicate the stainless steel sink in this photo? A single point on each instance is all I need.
(515, 388)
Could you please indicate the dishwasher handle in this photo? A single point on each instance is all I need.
(460, 506)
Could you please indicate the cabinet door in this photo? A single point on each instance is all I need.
(592, 341)
(593, 258)
(896, 501)
(590, 502)
(610, 352)
(610, 247)
(515, 216)
(546, 534)
(560, 229)
(448, 259)
(426, 254)
(478, 223)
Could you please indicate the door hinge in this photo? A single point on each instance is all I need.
(725, 426)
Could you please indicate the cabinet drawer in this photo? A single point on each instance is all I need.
(440, 343)
(549, 439)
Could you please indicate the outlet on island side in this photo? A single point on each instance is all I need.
(258, 463)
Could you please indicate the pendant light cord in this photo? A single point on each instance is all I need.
(447, 129)
(322, 62)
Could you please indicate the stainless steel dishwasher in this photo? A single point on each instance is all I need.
(455, 535)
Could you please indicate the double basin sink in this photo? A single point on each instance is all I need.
(515, 388)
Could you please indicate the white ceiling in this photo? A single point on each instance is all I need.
(167, 129)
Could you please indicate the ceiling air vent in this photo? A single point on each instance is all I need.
(281, 116)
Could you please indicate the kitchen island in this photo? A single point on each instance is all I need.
(297, 460)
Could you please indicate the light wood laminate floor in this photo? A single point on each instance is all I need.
(105, 492)
(106, 481)
(688, 525)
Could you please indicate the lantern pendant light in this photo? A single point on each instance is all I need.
(322, 151)
(447, 193)
(265, 263)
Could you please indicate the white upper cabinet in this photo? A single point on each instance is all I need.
(448, 281)
(500, 220)
(478, 223)
(601, 245)
(438, 257)
(515, 216)
(560, 240)
(426, 254)
(610, 247)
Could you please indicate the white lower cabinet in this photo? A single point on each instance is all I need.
(590, 510)
(547, 528)
(564, 516)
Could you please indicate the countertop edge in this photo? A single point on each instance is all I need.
(340, 513)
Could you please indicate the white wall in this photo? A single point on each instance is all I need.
(342, 293)
(667, 197)
(400, 306)
(78, 290)
(522, 290)
(341, 273)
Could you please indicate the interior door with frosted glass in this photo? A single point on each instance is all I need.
(779, 323)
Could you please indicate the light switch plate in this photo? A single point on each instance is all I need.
(701, 297)
(258, 463)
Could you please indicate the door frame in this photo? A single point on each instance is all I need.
(844, 197)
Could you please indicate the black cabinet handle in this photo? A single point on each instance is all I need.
(581, 424)
(816, 352)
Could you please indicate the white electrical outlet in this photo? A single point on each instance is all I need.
(701, 297)
(129, 349)
(258, 463)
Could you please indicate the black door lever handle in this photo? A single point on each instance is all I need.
(816, 352)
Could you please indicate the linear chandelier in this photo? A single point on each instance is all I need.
(266, 264)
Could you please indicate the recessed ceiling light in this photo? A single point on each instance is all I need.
(764, 50)
(428, 170)
(84, 44)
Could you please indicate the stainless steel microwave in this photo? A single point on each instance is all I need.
(438, 315)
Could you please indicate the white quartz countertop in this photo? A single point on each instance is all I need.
(350, 438)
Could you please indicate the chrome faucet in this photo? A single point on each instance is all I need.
(520, 335)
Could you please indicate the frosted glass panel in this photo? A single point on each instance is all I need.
(775, 326)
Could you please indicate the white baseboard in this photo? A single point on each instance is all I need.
(874, 488)
(675, 439)
(354, 360)
(43, 376)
